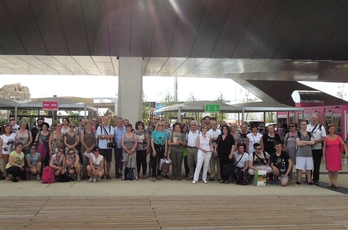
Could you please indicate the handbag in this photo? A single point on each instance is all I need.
(163, 165)
(227, 169)
(184, 152)
(86, 154)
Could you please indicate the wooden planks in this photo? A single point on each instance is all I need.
(186, 212)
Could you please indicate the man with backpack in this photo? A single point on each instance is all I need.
(318, 132)
(304, 159)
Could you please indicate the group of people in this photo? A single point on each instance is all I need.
(86, 152)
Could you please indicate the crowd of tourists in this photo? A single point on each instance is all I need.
(204, 151)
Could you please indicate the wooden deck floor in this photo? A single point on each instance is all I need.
(240, 212)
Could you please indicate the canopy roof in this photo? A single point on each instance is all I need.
(64, 103)
(196, 106)
(261, 106)
(7, 104)
(199, 106)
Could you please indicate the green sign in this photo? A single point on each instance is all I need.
(212, 108)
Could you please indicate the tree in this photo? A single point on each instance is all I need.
(170, 100)
(270, 117)
(147, 111)
(191, 98)
(220, 116)
(247, 99)
(341, 91)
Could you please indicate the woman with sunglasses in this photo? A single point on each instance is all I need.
(56, 139)
(58, 163)
(71, 139)
(41, 140)
(159, 147)
(95, 168)
(73, 165)
(34, 162)
(290, 142)
(7, 141)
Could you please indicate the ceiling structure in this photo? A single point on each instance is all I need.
(244, 40)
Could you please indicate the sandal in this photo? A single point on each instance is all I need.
(153, 180)
(336, 186)
(329, 185)
(158, 178)
(144, 177)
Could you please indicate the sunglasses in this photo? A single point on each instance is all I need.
(94, 120)
(258, 148)
(291, 126)
(33, 148)
(71, 153)
(11, 119)
(160, 125)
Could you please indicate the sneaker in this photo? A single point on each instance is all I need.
(205, 182)
(274, 182)
(316, 183)
(90, 179)
(38, 177)
(194, 182)
(78, 179)
(14, 179)
(211, 179)
(297, 183)
(310, 183)
(94, 180)
(108, 177)
(123, 178)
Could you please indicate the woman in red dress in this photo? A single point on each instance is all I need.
(332, 155)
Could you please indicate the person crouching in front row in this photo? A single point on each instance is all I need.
(259, 160)
(95, 168)
(241, 166)
(58, 164)
(34, 162)
(281, 164)
(73, 164)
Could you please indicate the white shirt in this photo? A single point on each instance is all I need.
(252, 140)
(317, 134)
(204, 142)
(100, 131)
(191, 138)
(243, 161)
(214, 134)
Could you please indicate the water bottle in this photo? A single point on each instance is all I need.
(345, 161)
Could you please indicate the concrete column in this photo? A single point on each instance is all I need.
(130, 89)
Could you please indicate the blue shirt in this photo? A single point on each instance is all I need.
(159, 137)
(118, 136)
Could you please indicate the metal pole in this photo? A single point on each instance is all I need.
(179, 114)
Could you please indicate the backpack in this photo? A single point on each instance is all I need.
(129, 174)
(299, 135)
(48, 175)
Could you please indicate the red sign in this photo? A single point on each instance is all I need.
(50, 105)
